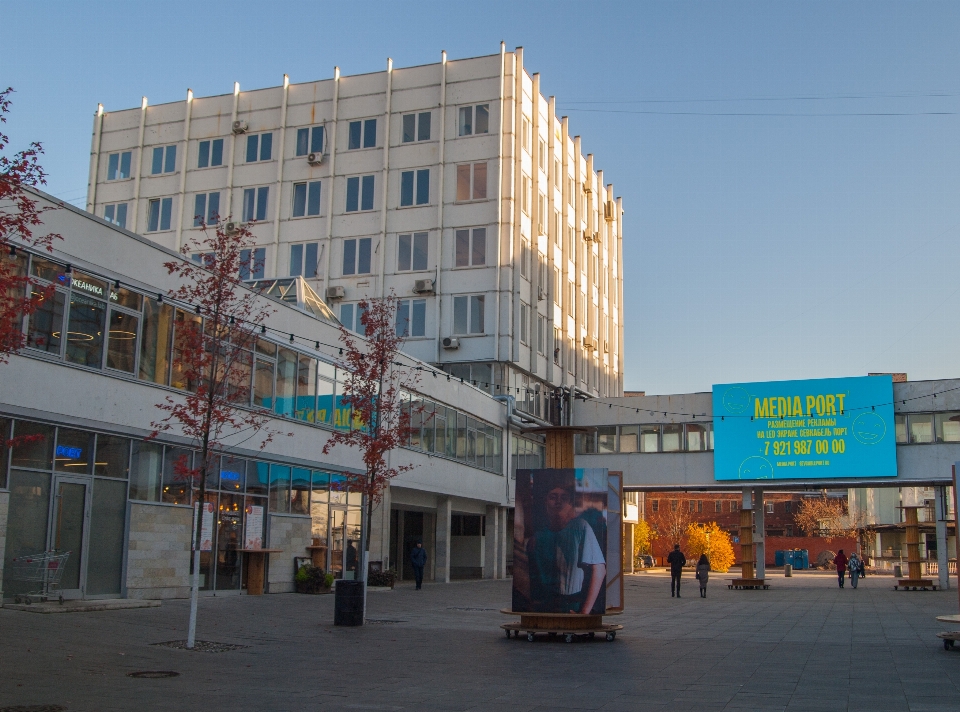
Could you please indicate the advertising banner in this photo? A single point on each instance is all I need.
(206, 527)
(253, 532)
(560, 541)
(838, 428)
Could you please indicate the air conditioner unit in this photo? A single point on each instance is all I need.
(423, 286)
(240, 127)
(335, 293)
(587, 188)
(451, 343)
(596, 237)
(541, 294)
(587, 236)
(609, 211)
(315, 159)
(232, 228)
(589, 343)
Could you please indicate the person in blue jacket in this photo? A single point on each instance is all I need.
(418, 558)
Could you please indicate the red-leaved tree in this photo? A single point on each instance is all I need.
(20, 215)
(213, 357)
(374, 393)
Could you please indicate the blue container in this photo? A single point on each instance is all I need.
(801, 558)
(778, 558)
(789, 558)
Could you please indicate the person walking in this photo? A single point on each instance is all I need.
(855, 565)
(840, 560)
(677, 561)
(418, 558)
(703, 574)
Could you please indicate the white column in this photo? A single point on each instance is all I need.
(385, 180)
(228, 207)
(281, 161)
(441, 569)
(758, 534)
(94, 160)
(490, 541)
(135, 208)
(441, 177)
(184, 149)
(506, 540)
(940, 497)
(332, 143)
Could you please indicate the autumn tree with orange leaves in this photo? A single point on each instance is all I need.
(374, 392)
(213, 355)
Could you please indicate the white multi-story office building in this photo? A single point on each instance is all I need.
(453, 185)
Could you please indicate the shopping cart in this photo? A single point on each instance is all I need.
(44, 570)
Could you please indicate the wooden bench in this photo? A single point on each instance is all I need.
(914, 584)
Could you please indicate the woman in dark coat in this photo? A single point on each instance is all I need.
(703, 574)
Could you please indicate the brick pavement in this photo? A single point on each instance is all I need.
(802, 645)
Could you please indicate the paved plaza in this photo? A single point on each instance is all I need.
(802, 645)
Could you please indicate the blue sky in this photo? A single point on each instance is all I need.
(790, 170)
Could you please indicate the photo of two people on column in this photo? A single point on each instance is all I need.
(560, 541)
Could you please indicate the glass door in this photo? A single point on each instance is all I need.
(68, 530)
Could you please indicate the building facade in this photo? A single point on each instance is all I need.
(99, 358)
(453, 185)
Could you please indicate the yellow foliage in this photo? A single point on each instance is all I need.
(643, 536)
(713, 541)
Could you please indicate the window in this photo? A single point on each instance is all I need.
(259, 147)
(471, 247)
(542, 213)
(474, 119)
(350, 317)
(557, 282)
(674, 505)
(525, 259)
(524, 321)
(416, 127)
(472, 181)
(468, 314)
(118, 166)
(607, 439)
(649, 438)
(718, 506)
(558, 360)
(303, 260)
(654, 505)
(948, 427)
(526, 194)
(356, 256)
(525, 135)
(734, 505)
(788, 507)
(541, 334)
(360, 193)
(310, 140)
(306, 199)
(542, 156)
(362, 134)
(164, 160)
(769, 508)
(415, 185)
(692, 505)
(412, 317)
(210, 153)
(255, 203)
(117, 214)
(921, 428)
(206, 209)
(252, 263)
(158, 214)
(412, 252)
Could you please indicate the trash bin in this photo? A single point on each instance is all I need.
(348, 603)
(898, 571)
(801, 559)
(788, 570)
(788, 558)
(778, 558)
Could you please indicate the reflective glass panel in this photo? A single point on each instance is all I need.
(73, 452)
(279, 489)
(145, 468)
(300, 491)
(113, 457)
(36, 447)
(921, 427)
(629, 438)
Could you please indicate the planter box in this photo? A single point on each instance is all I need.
(311, 589)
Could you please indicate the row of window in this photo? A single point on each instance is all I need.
(924, 428)
(656, 437)
(696, 506)
(112, 327)
(435, 428)
(259, 146)
(163, 473)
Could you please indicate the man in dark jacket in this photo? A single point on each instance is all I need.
(418, 558)
(841, 562)
(677, 560)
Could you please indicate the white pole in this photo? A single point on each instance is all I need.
(194, 595)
